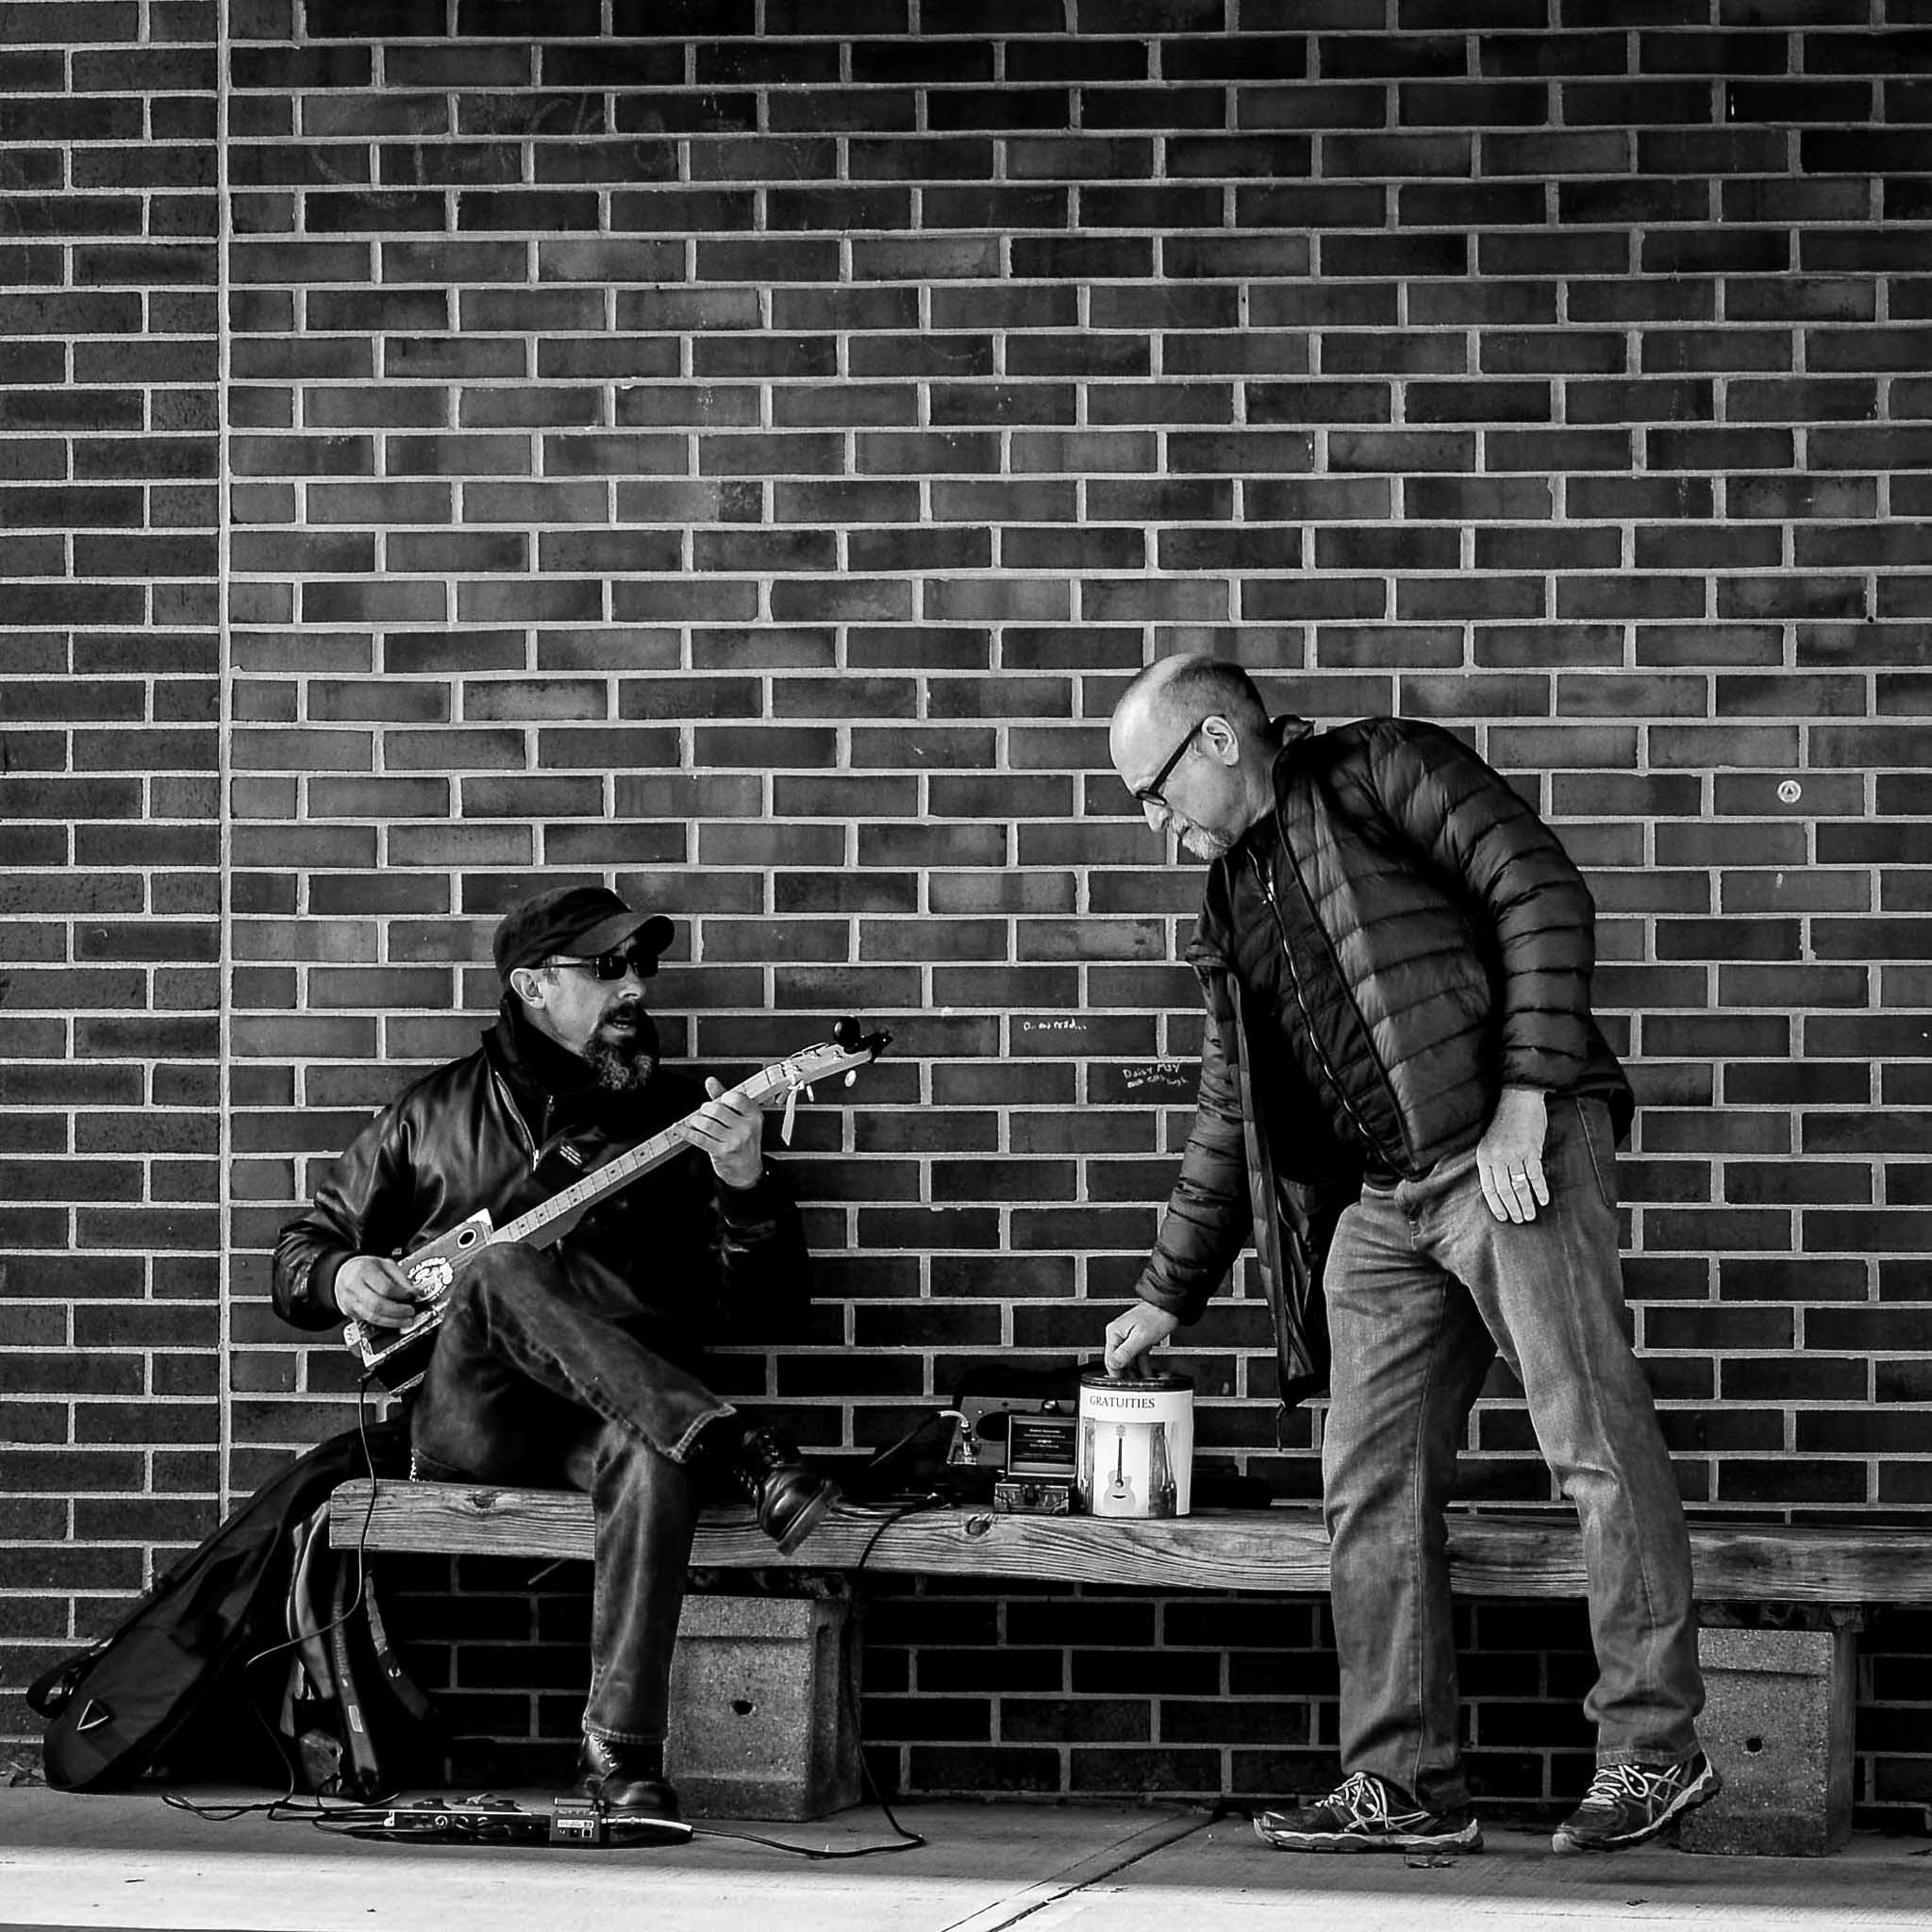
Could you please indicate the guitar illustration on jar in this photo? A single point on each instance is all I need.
(1120, 1492)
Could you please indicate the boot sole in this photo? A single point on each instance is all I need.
(807, 1519)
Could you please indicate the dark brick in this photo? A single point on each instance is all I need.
(941, 1768)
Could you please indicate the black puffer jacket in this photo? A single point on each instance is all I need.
(683, 1260)
(1398, 941)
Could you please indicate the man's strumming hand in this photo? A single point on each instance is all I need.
(375, 1292)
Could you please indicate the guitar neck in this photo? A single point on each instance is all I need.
(575, 1199)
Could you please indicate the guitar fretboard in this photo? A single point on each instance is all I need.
(761, 1088)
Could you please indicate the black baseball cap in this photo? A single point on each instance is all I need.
(584, 920)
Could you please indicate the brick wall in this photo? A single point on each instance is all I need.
(745, 463)
(111, 1317)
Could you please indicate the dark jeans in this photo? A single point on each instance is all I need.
(1423, 1287)
(532, 1381)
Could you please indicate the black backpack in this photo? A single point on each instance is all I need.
(116, 1709)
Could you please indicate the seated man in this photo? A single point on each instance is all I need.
(578, 1363)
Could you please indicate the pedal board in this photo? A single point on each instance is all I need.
(490, 1820)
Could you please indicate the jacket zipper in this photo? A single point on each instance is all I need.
(1335, 1084)
(516, 1112)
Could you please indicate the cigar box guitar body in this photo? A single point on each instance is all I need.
(396, 1358)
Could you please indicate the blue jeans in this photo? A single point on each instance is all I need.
(1423, 1287)
(533, 1380)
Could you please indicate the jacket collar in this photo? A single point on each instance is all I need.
(558, 1092)
(542, 1077)
(1290, 735)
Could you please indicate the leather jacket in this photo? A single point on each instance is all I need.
(1399, 940)
(677, 1254)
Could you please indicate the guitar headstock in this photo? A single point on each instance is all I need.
(848, 1049)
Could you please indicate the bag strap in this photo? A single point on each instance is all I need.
(49, 1692)
(366, 1772)
(307, 1600)
(408, 1693)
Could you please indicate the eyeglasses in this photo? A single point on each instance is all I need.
(1149, 793)
(614, 965)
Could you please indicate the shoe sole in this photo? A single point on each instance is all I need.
(1707, 1786)
(807, 1519)
(1470, 1839)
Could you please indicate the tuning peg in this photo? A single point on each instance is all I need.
(846, 1033)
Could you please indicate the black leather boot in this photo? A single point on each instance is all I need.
(789, 1496)
(626, 1780)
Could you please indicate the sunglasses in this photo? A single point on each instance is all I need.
(614, 965)
(1149, 793)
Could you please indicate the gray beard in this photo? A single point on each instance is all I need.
(625, 1064)
(624, 1059)
(1208, 846)
(621, 1070)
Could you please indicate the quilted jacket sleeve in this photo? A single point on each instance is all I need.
(1533, 911)
(1207, 1216)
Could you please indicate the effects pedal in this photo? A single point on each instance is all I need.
(1032, 1496)
(493, 1820)
(582, 1822)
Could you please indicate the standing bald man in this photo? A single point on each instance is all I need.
(1401, 1069)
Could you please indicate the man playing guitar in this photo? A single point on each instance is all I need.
(576, 1363)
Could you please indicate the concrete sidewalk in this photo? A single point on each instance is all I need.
(117, 1863)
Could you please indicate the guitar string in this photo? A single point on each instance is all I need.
(790, 1076)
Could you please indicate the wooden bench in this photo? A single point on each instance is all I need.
(1778, 1721)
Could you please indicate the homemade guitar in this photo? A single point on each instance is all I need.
(397, 1358)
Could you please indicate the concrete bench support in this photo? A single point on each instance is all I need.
(1777, 1722)
(761, 1703)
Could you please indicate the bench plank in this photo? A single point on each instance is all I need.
(1282, 1550)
